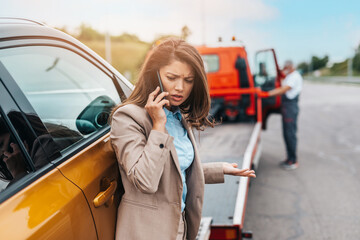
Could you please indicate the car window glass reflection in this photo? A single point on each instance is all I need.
(265, 69)
(38, 140)
(72, 96)
(12, 162)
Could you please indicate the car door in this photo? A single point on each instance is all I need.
(73, 96)
(36, 200)
(268, 76)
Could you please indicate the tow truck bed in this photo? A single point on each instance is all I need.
(238, 143)
(235, 95)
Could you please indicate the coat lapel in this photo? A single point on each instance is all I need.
(197, 172)
(195, 186)
(196, 164)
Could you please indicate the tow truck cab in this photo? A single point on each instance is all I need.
(232, 85)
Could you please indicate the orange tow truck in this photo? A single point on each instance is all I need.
(234, 92)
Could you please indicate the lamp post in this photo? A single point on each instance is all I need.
(108, 47)
(107, 37)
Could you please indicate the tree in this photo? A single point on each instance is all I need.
(303, 67)
(87, 33)
(356, 60)
(126, 37)
(318, 63)
(185, 32)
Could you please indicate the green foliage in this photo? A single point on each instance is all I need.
(126, 37)
(185, 32)
(339, 68)
(87, 33)
(356, 60)
(303, 67)
(318, 63)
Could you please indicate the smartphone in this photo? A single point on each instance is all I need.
(160, 83)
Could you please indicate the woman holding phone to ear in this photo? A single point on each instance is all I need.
(151, 133)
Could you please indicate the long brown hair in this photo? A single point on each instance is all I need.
(196, 107)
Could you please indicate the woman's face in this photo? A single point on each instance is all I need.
(177, 79)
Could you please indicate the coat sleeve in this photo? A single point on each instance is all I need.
(213, 172)
(141, 158)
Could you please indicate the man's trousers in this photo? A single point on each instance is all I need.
(289, 112)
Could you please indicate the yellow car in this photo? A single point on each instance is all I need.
(59, 177)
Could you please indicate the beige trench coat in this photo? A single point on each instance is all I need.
(150, 172)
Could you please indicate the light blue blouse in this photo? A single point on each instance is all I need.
(183, 145)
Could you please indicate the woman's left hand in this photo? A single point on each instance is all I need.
(231, 169)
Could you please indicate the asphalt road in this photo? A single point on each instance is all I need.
(321, 199)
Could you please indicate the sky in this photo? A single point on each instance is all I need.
(296, 29)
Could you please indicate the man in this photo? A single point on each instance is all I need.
(290, 91)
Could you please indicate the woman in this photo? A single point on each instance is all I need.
(159, 163)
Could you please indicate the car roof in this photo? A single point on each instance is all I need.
(13, 20)
(22, 27)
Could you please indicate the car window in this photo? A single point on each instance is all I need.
(265, 68)
(13, 165)
(70, 94)
(211, 63)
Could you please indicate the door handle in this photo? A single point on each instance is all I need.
(104, 196)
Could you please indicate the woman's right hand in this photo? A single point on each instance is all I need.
(154, 107)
